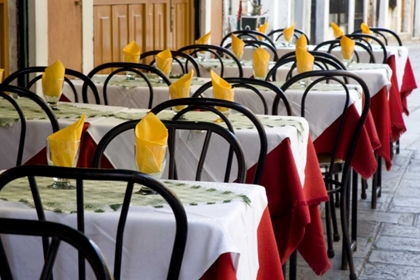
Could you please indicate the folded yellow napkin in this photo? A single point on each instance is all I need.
(181, 88)
(260, 59)
(337, 30)
(347, 47)
(365, 28)
(301, 42)
(64, 144)
(1, 75)
(164, 61)
(132, 52)
(304, 60)
(237, 46)
(53, 78)
(151, 140)
(203, 40)
(288, 33)
(262, 29)
(221, 89)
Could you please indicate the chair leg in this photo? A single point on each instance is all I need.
(347, 257)
(363, 194)
(5, 272)
(354, 210)
(336, 235)
(330, 247)
(376, 183)
(293, 266)
(337, 194)
(391, 149)
(397, 144)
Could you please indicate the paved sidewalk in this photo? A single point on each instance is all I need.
(389, 237)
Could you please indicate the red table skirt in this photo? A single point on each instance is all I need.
(364, 161)
(408, 85)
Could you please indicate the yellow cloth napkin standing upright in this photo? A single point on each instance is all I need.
(347, 47)
(262, 29)
(203, 40)
(53, 78)
(1, 75)
(151, 138)
(132, 52)
(365, 28)
(164, 61)
(338, 32)
(64, 144)
(181, 88)
(301, 42)
(288, 33)
(304, 60)
(237, 46)
(221, 89)
(260, 60)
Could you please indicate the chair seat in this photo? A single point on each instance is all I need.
(324, 161)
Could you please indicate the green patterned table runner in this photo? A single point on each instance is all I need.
(238, 121)
(32, 111)
(105, 196)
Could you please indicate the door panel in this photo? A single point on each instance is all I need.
(137, 24)
(158, 38)
(65, 43)
(119, 31)
(216, 22)
(103, 35)
(182, 24)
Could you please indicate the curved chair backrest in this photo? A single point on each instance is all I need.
(362, 44)
(176, 55)
(371, 40)
(217, 52)
(247, 35)
(58, 233)
(209, 104)
(177, 126)
(256, 44)
(87, 83)
(337, 76)
(323, 61)
(87, 174)
(382, 32)
(278, 33)
(121, 67)
(253, 85)
(22, 92)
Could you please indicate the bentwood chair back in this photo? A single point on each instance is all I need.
(216, 52)
(27, 95)
(278, 33)
(384, 34)
(256, 44)
(58, 233)
(87, 83)
(182, 59)
(141, 70)
(210, 104)
(254, 85)
(331, 163)
(247, 35)
(81, 175)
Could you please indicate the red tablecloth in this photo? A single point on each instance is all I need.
(364, 161)
(408, 85)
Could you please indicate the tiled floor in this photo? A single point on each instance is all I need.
(389, 237)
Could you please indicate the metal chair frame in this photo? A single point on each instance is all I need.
(297, 33)
(250, 34)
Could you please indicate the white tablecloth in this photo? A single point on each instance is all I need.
(213, 230)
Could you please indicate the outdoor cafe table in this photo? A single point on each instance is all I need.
(291, 176)
(134, 93)
(229, 230)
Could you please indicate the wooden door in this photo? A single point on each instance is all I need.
(216, 22)
(4, 37)
(148, 22)
(65, 33)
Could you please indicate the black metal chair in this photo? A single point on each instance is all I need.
(363, 44)
(87, 83)
(278, 33)
(255, 86)
(382, 33)
(208, 104)
(22, 92)
(121, 67)
(332, 165)
(82, 174)
(255, 44)
(58, 233)
(323, 61)
(217, 52)
(176, 56)
(247, 35)
(175, 127)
